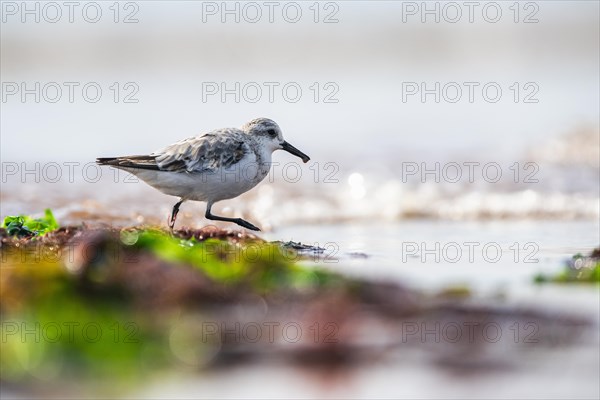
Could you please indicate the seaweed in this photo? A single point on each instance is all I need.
(26, 226)
(87, 305)
(578, 269)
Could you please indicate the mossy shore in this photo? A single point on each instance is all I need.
(89, 304)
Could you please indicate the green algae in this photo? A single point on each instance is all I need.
(26, 226)
(72, 302)
(579, 269)
(262, 265)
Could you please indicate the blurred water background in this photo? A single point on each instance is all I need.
(365, 146)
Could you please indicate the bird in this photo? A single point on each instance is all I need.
(218, 165)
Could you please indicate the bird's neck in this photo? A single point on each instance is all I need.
(263, 160)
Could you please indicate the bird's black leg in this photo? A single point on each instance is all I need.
(238, 221)
(174, 213)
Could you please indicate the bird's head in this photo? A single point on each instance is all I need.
(268, 133)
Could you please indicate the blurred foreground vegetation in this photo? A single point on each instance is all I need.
(105, 302)
(82, 305)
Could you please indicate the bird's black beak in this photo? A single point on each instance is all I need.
(292, 150)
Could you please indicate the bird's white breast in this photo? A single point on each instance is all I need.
(220, 184)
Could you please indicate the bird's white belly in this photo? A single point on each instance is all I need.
(210, 186)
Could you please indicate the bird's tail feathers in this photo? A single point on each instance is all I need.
(139, 162)
(107, 160)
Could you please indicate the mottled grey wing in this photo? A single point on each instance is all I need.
(208, 152)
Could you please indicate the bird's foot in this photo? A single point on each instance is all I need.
(171, 224)
(246, 224)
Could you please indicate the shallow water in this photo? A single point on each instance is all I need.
(373, 251)
(405, 252)
(506, 370)
(434, 253)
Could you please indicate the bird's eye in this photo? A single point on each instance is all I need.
(272, 132)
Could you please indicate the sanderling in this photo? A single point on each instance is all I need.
(215, 166)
